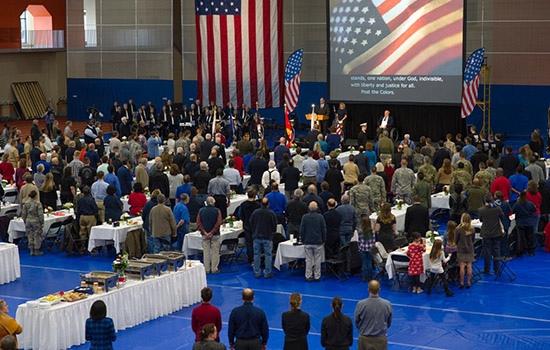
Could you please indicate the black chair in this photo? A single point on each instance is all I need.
(11, 213)
(452, 269)
(541, 240)
(504, 259)
(337, 266)
(228, 249)
(401, 269)
(241, 246)
(379, 263)
(53, 236)
(401, 241)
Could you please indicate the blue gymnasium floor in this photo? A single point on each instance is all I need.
(490, 315)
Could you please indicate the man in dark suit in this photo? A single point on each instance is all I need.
(114, 108)
(132, 106)
(173, 122)
(35, 131)
(169, 106)
(440, 155)
(362, 136)
(312, 137)
(323, 109)
(417, 218)
(116, 118)
(478, 157)
(509, 163)
(126, 113)
(385, 122)
(149, 108)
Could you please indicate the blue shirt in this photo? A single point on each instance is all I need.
(246, 159)
(277, 202)
(125, 178)
(112, 179)
(47, 166)
(248, 322)
(99, 190)
(181, 213)
(153, 147)
(469, 150)
(94, 158)
(333, 141)
(323, 167)
(371, 155)
(519, 183)
(310, 167)
(185, 188)
(278, 153)
(100, 333)
(324, 145)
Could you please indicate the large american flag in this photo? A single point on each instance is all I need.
(240, 51)
(395, 37)
(293, 71)
(471, 82)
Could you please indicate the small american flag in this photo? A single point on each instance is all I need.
(395, 37)
(338, 129)
(471, 82)
(293, 72)
(240, 52)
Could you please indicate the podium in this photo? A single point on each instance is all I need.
(317, 116)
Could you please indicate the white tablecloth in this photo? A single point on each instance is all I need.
(246, 179)
(124, 201)
(477, 224)
(16, 229)
(101, 234)
(343, 157)
(10, 268)
(192, 243)
(11, 189)
(234, 203)
(9, 206)
(440, 200)
(399, 217)
(403, 251)
(63, 325)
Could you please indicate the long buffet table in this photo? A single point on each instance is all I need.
(63, 325)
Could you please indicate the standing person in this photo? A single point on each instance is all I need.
(100, 329)
(33, 216)
(336, 328)
(295, 324)
(385, 227)
(436, 260)
(209, 221)
(313, 233)
(207, 337)
(526, 220)
(416, 265)
(335, 180)
(8, 326)
(295, 210)
(86, 213)
(361, 197)
(219, 189)
(112, 204)
(205, 314)
(263, 223)
(145, 218)
(373, 316)
(491, 231)
(465, 247)
(403, 182)
(366, 240)
(181, 214)
(349, 220)
(162, 225)
(246, 210)
(518, 184)
(248, 328)
(256, 168)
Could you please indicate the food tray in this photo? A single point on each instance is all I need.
(176, 259)
(87, 290)
(76, 296)
(173, 262)
(106, 279)
(140, 268)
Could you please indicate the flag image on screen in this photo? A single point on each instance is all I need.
(396, 37)
(240, 52)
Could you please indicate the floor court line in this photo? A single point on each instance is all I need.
(513, 284)
(53, 268)
(403, 305)
(10, 297)
(319, 334)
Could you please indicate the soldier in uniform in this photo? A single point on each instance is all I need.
(485, 178)
(418, 159)
(377, 187)
(33, 217)
(403, 182)
(430, 174)
(424, 190)
(361, 198)
(460, 175)
(467, 165)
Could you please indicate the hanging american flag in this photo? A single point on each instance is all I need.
(293, 72)
(240, 51)
(471, 82)
(396, 37)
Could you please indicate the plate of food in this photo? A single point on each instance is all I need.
(74, 296)
(52, 297)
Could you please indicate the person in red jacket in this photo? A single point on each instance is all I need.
(6, 168)
(205, 313)
(137, 200)
(502, 184)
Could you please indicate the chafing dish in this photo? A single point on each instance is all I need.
(176, 259)
(140, 268)
(160, 262)
(106, 279)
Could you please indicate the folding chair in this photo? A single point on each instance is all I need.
(53, 236)
(11, 197)
(401, 269)
(452, 266)
(401, 241)
(541, 240)
(478, 255)
(228, 249)
(241, 246)
(504, 259)
(379, 263)
(11, 212)
(337, 266)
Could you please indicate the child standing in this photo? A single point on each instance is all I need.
(416, 265)
(100, 330)
(366, 242)
(437, 258)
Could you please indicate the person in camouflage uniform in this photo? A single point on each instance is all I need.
(423, 190)
(361, 198)
(385, 146)
(485, 178)
(418, 159)
(403, 181)
(491, 169)
(429, 171)
(377, 187)
(33, 217)
(460, 176)
(467, 165)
